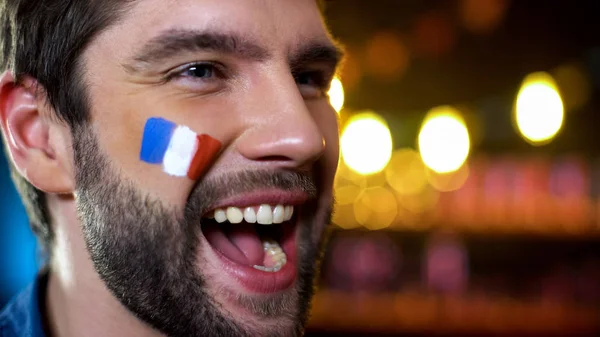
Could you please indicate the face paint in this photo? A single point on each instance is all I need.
(180, 151)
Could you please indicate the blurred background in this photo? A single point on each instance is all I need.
(469, 187)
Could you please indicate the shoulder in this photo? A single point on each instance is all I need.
(4, 323)
(10, 317)
(16, 318)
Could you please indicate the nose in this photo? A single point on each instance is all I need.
(280, 129)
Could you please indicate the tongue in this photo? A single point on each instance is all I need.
(245, 238)
(240, 243)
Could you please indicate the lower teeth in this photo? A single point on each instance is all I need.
(275, 254)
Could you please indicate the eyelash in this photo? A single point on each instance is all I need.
(318, 79)
(184, 71)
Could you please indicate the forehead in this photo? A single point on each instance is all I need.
(278, 23)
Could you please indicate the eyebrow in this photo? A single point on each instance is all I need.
(176, 41)
(329, 54)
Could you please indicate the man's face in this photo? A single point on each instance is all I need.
(252, 74)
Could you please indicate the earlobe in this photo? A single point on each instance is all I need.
(27, 136)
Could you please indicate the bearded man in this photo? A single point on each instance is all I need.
(176, 159)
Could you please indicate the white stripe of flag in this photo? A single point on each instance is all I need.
(181, 151)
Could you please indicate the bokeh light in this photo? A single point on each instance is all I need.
(574, 85)
(425, 201)
(435, 34)
(366, 143)
(346, 175)
(376, 180)
(448, 182)
(345, 195)
(336, 94)
(539, 110)
(343, 217)
(387, 57)
(406, 172)
(351, 71)
(348, 186)
(444, 141)
(482, 16)
(376, 208)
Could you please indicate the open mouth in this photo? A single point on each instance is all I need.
(256, 243)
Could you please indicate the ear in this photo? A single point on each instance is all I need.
(26, 127)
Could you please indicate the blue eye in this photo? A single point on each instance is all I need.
(199, 77)
(204, 71)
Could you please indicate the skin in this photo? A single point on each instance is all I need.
(267, 120)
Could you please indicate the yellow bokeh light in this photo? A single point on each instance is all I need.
(574, 85)
(345, 195)
(343, 217)
(376, 180)
(345, 176)
(539, 110)
(336, 94)
(376, 208)
(426, 200)
(444, 140)
(366, 143)
(448, 182)
(406, 172)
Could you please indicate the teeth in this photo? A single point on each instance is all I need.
(288, 213)
(249, 215)
(264, 215)
(220, 216)
(275, 254)
(278, 214)
(264, 269)
(234, 215)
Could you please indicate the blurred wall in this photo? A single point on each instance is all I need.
(17, 243)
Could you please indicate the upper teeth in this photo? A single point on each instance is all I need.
(263, 214)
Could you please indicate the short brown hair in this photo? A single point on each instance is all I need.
(44, 39)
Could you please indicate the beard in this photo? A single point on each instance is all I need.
(147, 253)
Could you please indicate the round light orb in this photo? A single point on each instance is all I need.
(539, 110)
(336, 94)
(444, 141)
(366, 143)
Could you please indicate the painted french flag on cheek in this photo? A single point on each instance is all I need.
(180, 151)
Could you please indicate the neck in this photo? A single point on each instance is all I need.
(77, 302)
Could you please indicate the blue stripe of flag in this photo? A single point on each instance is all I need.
(157, 135)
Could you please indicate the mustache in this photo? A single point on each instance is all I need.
(209, 191)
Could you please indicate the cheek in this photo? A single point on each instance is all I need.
(120, 137)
